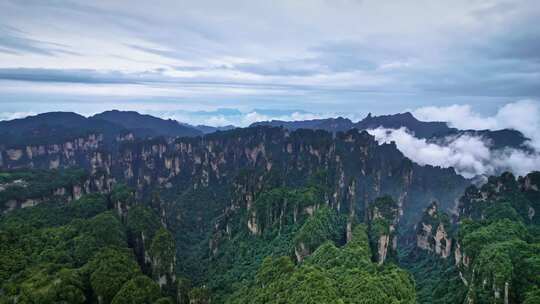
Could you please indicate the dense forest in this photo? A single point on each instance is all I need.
(85, 251)
(495, 255)
(89, 250)
(269, 152)
(80, 252)
(258, 215)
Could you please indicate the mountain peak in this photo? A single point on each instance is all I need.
(406, 114)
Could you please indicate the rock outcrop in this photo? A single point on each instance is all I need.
(356, 170)
(433, 232)
(383, 221)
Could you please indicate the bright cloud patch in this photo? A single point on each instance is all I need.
(523, 116)
(468, 155)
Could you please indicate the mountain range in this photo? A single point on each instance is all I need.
(430, 130)
(122, 205)
(54, 127)
(48, 127)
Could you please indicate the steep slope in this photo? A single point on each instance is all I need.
(491, 255)
(499, 239)
(235, 197)
(358, 168)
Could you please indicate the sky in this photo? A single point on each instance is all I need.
(235, 62)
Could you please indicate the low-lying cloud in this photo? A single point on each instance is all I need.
(468, 155)
(523, 116)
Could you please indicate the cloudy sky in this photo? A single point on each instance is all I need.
(220, 62)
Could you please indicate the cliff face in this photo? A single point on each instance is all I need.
(523, 193)
(27, 188)
(495, 234)
(433, 232)
(82, 152)
(358, 167)
(231, 168)
(383, 220)
(480, 204)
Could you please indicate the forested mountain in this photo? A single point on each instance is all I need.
(60, 127)
(256, 215)
(80, 252)
(210, 129)
(57, 127)
(490, 254)
(54, 128)
(146, 125)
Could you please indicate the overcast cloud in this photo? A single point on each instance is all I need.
(474, 64)
(353, 56)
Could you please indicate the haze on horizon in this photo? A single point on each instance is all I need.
(238, 62)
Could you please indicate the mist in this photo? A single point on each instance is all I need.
(470, 156)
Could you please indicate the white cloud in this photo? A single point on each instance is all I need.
(14, 115)
(523, 116)
(339, 52)
(239, 117)
(468, 155)
(458, 116)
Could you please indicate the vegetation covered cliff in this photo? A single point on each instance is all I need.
(235, 216)
(79, 252)
(490, 254)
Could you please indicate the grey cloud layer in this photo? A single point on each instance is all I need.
(15, 42)
(311, 52)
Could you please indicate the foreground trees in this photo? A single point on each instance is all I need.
(330, 275)
(75, 253)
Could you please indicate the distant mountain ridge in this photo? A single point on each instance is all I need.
(210, 129)
(329, 124)
(423, 129)
(147, 125)
(393, 121)
(431, 130)
(58, 127)
(55, 127)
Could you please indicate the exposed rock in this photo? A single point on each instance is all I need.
(443, 244)
(432, 232)
(301, 252)
(383, 220)
(382, 248)
(359, 169)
